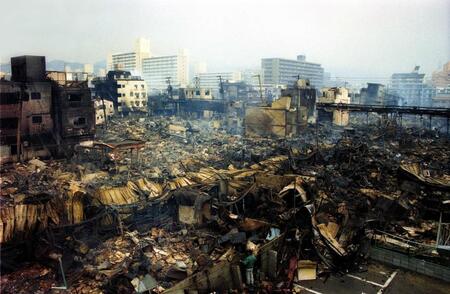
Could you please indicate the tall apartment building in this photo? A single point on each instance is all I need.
(280, 71)
(200, 67)
(157, 70)
(211, 80)
(130, 61)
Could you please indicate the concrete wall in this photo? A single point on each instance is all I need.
(410, 263)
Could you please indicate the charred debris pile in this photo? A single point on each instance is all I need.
(162, 205)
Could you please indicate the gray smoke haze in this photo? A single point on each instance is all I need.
(349, 37)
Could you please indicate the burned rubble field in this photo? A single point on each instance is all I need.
(191, 203)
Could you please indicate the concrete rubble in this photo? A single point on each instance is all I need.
(164, 205)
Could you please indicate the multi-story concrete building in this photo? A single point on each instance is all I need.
(127, 92)
(250, 76)
(74, 112)
(241, 91)
(130, 61)
(26, 120)
(408, 86)
(197, 93)
(211, 80)
(158, 71)
(373, 94)
(334, 95)
(200, 67)
(441, 81)
(377, 94)
(39, 116)
(280, 71)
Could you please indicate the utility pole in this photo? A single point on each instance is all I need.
(197, 82)
(260, 89)
(169, 88)
(298, 104)
(221, 90)
(170, 92)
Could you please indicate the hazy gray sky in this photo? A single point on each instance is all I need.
(349, 37)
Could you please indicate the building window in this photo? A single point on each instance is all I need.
(142, 86)
(73, 97)
(79, 121)
(9, 123)
(136, 86)
(25, 96)
(9, 98)
(197, 92)
(36, 119)
(207, 92)
(35, 95)
(131, 93)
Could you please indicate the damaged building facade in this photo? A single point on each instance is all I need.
(334, 95)
(26, 111)
(286, 116)
(38, 117)
(377, 94)
(128, 93)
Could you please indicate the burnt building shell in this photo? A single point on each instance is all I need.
(38, 114)
(28, 68)
(240, 91)
(303, 98)
(75, 112)
(26, 120)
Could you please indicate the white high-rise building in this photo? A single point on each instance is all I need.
(250, 76)
(200, 67)
(131, 61)
(280, 71)
(211, 80)
(156, 71)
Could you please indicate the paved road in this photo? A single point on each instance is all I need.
(378, 279)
